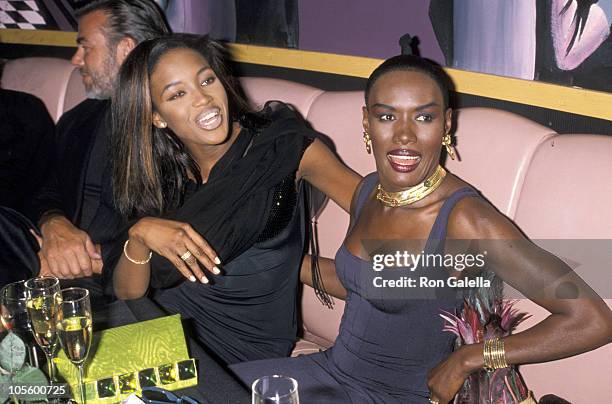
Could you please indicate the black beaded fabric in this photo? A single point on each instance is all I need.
(283, 207)
(283, 204)
(281, 212)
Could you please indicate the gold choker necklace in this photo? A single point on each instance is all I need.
(412, 194)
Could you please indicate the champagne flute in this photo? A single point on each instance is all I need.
(74, 329)
(14, 316)
(42, 301)
(275, 389)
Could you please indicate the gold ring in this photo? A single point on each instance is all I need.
(186, 256)
(434, 401)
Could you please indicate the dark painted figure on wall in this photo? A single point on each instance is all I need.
(560, 41)
(575, 45)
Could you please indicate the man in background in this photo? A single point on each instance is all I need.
(66, 209)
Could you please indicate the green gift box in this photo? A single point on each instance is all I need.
(125, 359)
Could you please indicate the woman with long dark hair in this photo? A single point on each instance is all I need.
(213, 192)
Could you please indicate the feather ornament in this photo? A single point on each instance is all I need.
(484, 315)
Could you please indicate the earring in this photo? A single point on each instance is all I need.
(367, 141)
(163, 125)
(448, 143)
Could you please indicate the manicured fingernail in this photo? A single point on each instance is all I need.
(216, 270)
(204, 279)
(192, 278)
(217, 261)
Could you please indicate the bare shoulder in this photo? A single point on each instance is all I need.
(316, 148)
(476, 218)
(321, 168)
(317, 156)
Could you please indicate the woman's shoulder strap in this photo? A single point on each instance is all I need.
(363, 190)
(438, 231)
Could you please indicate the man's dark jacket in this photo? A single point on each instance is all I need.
(75, 135)
(63, 191)
(26, 135)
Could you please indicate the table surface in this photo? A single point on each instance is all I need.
(216, 385)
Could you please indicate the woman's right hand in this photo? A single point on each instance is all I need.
(179, 243)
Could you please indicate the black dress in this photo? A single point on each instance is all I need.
(250, 311)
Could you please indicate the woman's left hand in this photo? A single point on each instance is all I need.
(179, 243)
(445, 380)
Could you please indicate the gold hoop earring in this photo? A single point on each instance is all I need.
(163, 125)
(448, 143)
(367, 141)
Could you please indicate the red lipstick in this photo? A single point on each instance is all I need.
(404, 160)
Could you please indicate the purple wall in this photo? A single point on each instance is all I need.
(496, 37)
(366, 27)
(214, 17)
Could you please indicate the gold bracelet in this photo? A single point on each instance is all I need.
(499, 357)
(502, 354)
(486, 354)
(494, 354)
(132, 260)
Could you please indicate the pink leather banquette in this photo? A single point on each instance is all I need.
(529, 172)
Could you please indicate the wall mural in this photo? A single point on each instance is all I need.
(269, 22)
(561, 41)
(576, 48)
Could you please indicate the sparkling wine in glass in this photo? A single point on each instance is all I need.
(275, 389)
(14, 316)
(43, 298)
(74, 329)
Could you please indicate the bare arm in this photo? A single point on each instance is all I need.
(328, 273)
(321, 168)
(169, 239)
(327, 266)
(131, 280)
(579, 321)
